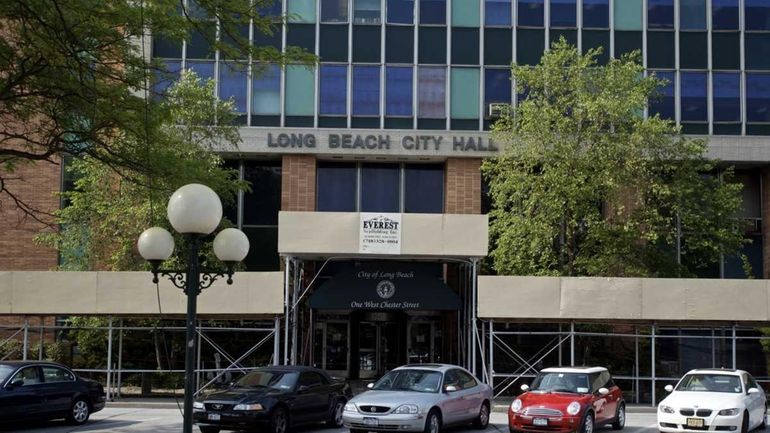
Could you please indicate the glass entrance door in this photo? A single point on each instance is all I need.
(420, 338)
(378, 348)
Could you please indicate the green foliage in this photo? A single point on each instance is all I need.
(588, 186)
(109, 209)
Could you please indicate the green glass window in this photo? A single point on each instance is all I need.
(628, 14)
(300, 91)
(301, 11)
(465, 13)
(302, 36)
(465, 93)
(529, 46)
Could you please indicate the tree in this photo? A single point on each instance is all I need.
(588, 186)
(107, 212)
(75, 75)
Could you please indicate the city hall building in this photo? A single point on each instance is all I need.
(367, 215)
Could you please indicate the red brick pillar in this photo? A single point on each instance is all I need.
(463, 186)
(298, 183)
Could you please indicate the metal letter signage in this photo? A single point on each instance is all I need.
(379, 233)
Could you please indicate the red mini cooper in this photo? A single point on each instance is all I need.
(568, 399)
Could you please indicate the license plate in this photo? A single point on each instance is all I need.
(694, 422)
(371, 421)
(540, 421)
(214, 417)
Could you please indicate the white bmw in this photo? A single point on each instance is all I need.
(713, 400)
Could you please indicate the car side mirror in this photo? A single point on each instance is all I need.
(603, 391)
(525, 387)
(669, 388)
(450, 388)
(752, 391)
(15, 383)
(302, 388)
(370, 385)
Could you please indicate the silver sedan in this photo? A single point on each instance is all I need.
(421, 397)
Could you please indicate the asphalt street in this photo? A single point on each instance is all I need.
(133, 420)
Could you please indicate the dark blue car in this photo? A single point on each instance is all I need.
(35, 390)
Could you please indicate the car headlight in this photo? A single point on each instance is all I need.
(516, 405)
(573, 408)
(666, 409)
(255, 406)
(198, 405)
(407, 408)
(729, 412)
(350, 407)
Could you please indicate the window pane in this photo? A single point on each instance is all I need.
(727, 97)
(233, 83)
(336, 187)
(596, 14)
(303, 11)
(399, 44)
(333, 45)
(663, 54)
(596, 39)
(757, 51)
(660, 14)
(204, 70)
(663, 104)
(693, 50)
(692, 14)
(628, 14)
(400, 11)
(432, 45)
(334, 90)
(465, 46)
(431, 96)
(563, 13)
(757, 15)
(263, 249)
(366, 90)
(300, 91)
(199, 46)
(398, 88)
(424, 188)
(497, 12)
(270, 8)
(498, 46)
(432, 11)
(758, 97)
(694, 90)
(163, 47)
(530, 13)
(366, 44)
(465, 93)
(726, 50)
(164, 77)
(497, 86)
(724, 14)
(465, 13)
(334, 11)
(261, 205)
(529, 46)
(366, 11)
(301, 35)
(380, 188)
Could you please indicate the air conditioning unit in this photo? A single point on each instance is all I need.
(498, 110)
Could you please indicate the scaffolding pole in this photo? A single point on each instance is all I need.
(287, 272)
(25, 345)
(652, 362)
(475, 330)
(109, 361)
(277, 342)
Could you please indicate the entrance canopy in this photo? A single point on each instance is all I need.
(385, 286)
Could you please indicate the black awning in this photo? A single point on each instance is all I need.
(385, 286)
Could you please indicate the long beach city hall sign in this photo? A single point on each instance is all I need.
(367, 142)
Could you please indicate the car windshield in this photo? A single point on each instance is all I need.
(561, 382)
(5, 371)
(710, 383)
(409, 380)
(268, 379)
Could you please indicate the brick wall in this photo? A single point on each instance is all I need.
(36, 185)
(298, 183)
(463, 186)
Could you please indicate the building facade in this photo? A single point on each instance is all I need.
(366, 184)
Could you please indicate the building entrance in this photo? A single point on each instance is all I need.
(378, 348)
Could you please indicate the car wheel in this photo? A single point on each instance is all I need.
(482, 421)
(208, 429)
(279, 422)
(79, 412)
(588, 423)
(745, 423)
(433, 422)
(336, 415)
(620, 419)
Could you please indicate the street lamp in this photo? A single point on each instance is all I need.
(194, 210)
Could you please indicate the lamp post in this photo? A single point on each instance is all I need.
(194, 211)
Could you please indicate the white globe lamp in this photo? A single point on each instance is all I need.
(194, 209)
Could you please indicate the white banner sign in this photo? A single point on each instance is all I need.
(379, 233)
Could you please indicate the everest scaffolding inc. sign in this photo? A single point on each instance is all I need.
(379, 233)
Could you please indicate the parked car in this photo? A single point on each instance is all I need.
(420, 397)
(275, 399)
(33, 390)
(568, 399)
(715, 400)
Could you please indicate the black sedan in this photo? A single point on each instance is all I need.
(33, 390)
(274, 399)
